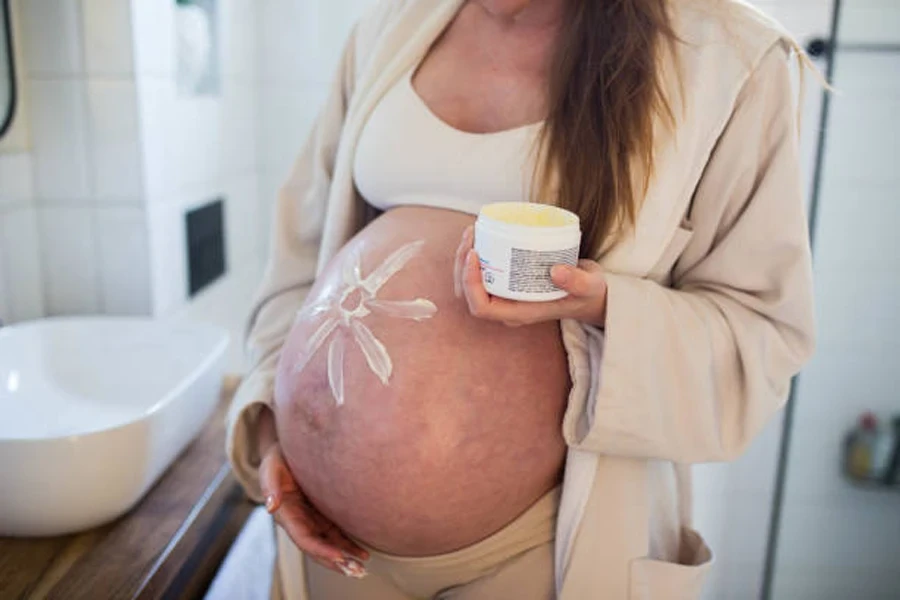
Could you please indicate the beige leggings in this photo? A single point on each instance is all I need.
(516, 563)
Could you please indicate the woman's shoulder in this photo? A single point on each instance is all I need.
(732, 32)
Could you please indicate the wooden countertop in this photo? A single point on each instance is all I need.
(170, 545)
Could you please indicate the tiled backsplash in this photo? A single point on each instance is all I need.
(85, 152)
(117, 156)
(21, 289)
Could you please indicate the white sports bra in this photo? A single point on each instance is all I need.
(407, 155)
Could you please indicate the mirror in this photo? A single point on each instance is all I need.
(7, 72)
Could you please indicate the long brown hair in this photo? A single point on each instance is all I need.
(596, 146)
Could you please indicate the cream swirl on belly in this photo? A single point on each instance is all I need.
(341, 315)
(465, 433)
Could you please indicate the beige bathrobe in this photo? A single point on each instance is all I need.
(709, 308)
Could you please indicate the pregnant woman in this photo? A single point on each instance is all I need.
(415, 437)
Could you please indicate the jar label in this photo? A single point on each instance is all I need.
(529, 270)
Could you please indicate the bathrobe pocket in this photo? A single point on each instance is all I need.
(683, 580)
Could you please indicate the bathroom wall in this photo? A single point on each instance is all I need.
(21, 292)
(85, 168)
(840, 541)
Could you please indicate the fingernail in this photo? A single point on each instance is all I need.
(351, 567)
(270, 504)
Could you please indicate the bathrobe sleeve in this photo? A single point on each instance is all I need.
(298, 219)
(691, 373)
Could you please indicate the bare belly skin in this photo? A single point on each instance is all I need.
(466, 435)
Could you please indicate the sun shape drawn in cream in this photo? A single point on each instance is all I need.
(344, 321)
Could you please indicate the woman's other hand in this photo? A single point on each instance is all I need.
(309, 529)
(585, 284)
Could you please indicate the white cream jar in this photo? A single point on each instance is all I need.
(519, 242)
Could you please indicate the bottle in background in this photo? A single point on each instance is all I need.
(861, 447)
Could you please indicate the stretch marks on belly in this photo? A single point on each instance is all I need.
(342, 311)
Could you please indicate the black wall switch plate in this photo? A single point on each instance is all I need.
(205, 244)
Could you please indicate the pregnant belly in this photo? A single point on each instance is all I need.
(465, 434)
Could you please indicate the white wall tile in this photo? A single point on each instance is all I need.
(870, 22)
(336, 19)
(838, 534)
(856, 306)
(154, 100)
(226, 303)
(153, 25)
(237, 149)
(51, 35)
(863, 74)
(20, 265)
(842, 381)
(846, 210)
(181, 138)
(116, 140)
(15, 179)
(860, 148)
(124, 261)
(242, 218)
(69, 252)
(302, 41)
(60, 135)
(107, 37)
(168, 257)
(836, 582)
(289, 42)
(287, 113)
(190, 141)
(754, 471)
(747, 532)
(238, 39)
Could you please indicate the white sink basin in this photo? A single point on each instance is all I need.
(93, 411)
